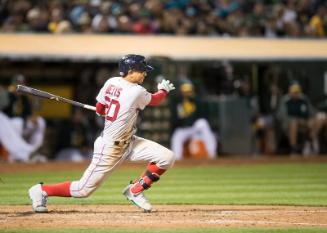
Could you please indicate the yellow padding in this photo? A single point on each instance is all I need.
(51, 108)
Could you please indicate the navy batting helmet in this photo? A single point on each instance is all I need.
(133, 62)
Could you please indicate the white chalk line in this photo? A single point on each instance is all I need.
(263, 222)
(270, 211)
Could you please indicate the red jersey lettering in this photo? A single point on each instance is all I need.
(113, 91)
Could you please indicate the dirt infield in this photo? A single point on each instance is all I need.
(165, 216)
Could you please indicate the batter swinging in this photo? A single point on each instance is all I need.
(119, 101)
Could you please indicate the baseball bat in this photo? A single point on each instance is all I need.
(47, 95)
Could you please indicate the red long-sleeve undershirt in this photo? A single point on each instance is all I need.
(156, 99)
(100, 108)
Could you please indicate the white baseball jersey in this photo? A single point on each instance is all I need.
(123, 100)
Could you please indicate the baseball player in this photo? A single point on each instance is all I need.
(119, 101)
(11, 138)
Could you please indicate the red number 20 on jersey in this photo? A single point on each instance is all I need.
(112, 109)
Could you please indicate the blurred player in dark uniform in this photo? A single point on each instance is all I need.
(296, 114)
(189, 123)
(22, 116)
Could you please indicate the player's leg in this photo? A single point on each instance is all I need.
(36, 129)
(178, 139)
(292, 135)
(105, 160)
(316, 124)
(159, 159)
(17, 124)
(13, 142)
(204, 133)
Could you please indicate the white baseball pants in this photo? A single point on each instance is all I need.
(35, 130)
(199, 130)
(107, 157)
(12, 140)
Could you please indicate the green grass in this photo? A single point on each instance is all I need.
(277, 184)
(204, 230)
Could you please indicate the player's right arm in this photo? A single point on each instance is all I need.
(145, 98)
(158, 97)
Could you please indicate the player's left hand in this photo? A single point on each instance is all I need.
(166, 85)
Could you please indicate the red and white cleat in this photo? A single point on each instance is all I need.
(139, 199)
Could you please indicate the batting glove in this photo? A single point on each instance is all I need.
(166, 85)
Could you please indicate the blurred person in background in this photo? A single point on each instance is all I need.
(189, 123)
(4, 98)
(287, 18)
(13, 147)
(37, 19)
(57, 22)
(261, 121)
(19, 105)
(12, 15)
(318, 22)
(56, 16)
(269, 116)
(320, 127)
(265, 125)
(296, 114)
(4, 101)
(22, 113)
(104, 21)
